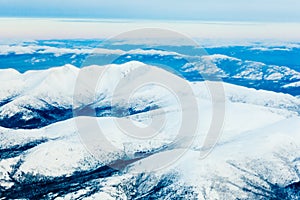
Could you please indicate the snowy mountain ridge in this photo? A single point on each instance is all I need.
(256, 155)
(27, 97)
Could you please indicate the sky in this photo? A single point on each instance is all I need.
(204, 19)
(205, 10)
(60, 28)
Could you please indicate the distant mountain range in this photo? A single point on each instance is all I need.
(269, 68)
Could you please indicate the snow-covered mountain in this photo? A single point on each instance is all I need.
(233, 70)
(257, 66)
(38, 98)
(257, 154)
(251, 70)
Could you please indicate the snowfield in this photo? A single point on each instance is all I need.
(29, 94)
(256, 155)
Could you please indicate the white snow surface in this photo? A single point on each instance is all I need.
(56, 86)
(259, 127)
(295, 84)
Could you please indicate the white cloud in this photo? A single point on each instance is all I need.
(31, 49)
(64, 29)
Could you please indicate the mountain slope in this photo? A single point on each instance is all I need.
(39, 98)
(90, 156)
